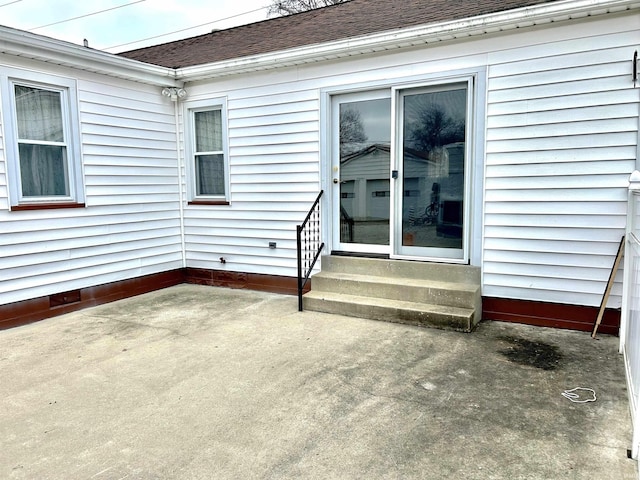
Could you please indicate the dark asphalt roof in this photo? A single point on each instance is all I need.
(337, 22)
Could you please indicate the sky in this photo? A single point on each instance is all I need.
(119, 25)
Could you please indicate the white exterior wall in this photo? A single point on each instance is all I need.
(273, 147)
(279, 153)
(130, 225)
(561, 134)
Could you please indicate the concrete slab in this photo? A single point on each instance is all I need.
(195, 382)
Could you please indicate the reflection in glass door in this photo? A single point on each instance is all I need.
(360, 173)
(432, 162)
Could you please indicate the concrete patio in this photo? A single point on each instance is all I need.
(195, 382)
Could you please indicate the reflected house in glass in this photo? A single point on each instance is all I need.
(365, 183)
(366, 190)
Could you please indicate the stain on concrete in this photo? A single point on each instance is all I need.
(534, 354)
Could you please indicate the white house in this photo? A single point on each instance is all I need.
(195, 160)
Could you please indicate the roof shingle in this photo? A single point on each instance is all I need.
(336, 22)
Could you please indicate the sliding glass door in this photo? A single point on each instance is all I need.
(399, 172)
(431, 158)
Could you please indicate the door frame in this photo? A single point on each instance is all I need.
(476, 174)
(398, 250)
(335, 202)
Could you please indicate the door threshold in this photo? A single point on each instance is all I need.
(342, 253)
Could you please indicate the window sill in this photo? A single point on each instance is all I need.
(208, 202)
(45, 206)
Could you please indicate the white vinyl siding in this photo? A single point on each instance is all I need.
(559, 142)
(130, 225)
(562, 132)
(274, 177)
(560, 138)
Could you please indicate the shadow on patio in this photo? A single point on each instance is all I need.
(200, 382)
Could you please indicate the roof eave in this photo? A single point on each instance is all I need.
(408, 37)
(36, 47)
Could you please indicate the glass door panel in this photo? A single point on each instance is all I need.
(360, 171)
(433, 126)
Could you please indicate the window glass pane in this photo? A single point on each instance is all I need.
(39, 114)
(43, 170)
(433, 168)
(208, 131)
(365, 143)
(210, 174)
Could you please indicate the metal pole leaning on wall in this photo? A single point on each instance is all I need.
(607, 291)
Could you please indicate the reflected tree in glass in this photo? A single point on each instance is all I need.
(434, 126)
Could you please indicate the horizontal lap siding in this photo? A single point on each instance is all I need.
(561, 139)
(131, 223)
(274, 176)
(561, 134)
(274, 148)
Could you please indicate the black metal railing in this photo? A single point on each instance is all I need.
(310, 245)
(346, 226)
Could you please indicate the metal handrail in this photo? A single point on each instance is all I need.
(346, 225)
(311, 237)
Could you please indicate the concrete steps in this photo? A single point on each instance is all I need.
(417, 293)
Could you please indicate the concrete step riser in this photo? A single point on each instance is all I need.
(425, 294)
(419, 294)
(391, 314)
(402, 269)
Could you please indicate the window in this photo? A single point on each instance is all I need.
(44, 167)
(208, 166)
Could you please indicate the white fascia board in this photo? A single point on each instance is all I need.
(37, 47)
(502, 21)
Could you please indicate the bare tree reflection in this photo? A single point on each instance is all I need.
(433, 128)
(351, 130)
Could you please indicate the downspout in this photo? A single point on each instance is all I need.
(175, 94)
(183, 243)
